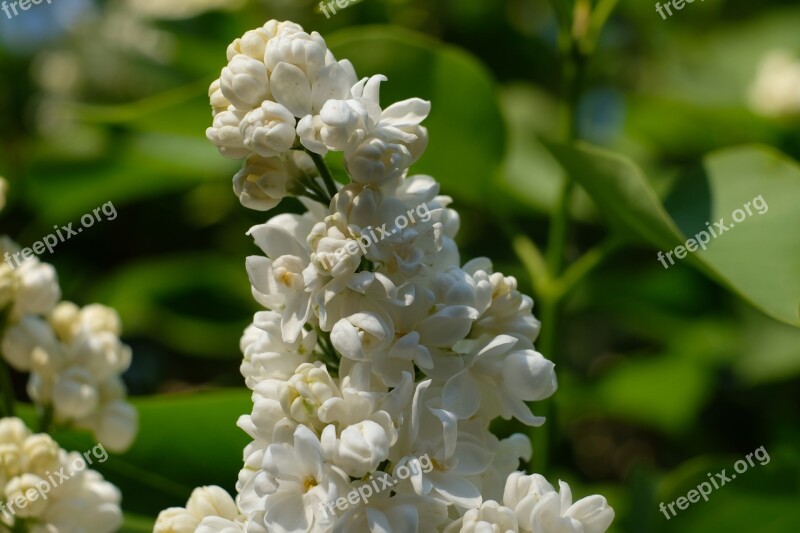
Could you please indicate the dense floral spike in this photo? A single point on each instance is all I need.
(380, 360)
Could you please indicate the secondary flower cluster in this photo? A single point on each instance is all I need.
(359, 366)
(75, 360)
(74, 357)
(32, 470)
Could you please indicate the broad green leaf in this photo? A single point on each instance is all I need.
(467, 136)
(758, 257)
(620, 191)
(194, 304)
(184, 441)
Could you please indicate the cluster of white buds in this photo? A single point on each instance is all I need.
(282, 89)
(75, 360)
(45, 489)
(367, 361)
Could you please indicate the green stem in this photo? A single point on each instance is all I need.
(7, 388)
(319, 162)
(545, 440)
(46, 418)
(584, 266)
(559, 227)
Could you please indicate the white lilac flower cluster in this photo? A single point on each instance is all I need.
(75, 359)
(364, 363)
(50, 490)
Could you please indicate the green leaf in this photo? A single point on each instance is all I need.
(467, 135)
(185, 441)
(194, 304)
(758, 258)
(620, 191)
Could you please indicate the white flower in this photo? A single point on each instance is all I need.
(264, 181)
(30, 286)
(304, 51)
(78, 500)
(175, 520)
(37, 289)
(361, 427)
(18, 489)
(375, 161)
(226, 135)
(268, 423)
(75, 361)
(253, 43)
(539, 507)
(22, 338)
(295, 483)
(776, 90)
(267, 355)
(500, 375)
(215, 524)
(457, 458)
(268, 130)
(278, 279)
(303, 394)
(261, 184)
(75, 393)
(212, 501)
(244, 82)
(490, 516)
(115, 423)
(397, 513)
(205, 502)
(508, 311)
(218, 101)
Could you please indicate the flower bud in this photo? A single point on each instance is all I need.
(269, 130)
(244, 82)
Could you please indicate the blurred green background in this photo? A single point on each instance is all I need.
(664, 375)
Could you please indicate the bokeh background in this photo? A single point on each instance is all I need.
(664, 374)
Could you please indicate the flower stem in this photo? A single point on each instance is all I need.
(46, 418)
(545, 439)
(319, 162)
(8, 390)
